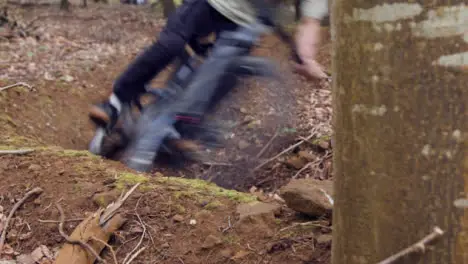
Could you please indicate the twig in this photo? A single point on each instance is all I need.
(56, 221)
(113, 207)
(229, 225)
(15, 85)
(16, 151)
(418, 247)
(267, 145)
(114, 257)
(285, 151)
(129, 256)
(312, 223)
(304, 168)
(218, 164)
(35, 191)
(135, 255)
(73, 241)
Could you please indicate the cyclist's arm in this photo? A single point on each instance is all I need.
(308, 36)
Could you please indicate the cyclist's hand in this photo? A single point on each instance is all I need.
(307, 41)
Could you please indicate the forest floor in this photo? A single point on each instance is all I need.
(70, 60)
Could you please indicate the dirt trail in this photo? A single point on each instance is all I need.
(74, 64)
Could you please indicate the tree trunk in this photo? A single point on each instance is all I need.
(400, 89)
(65, 5)
(168, 7)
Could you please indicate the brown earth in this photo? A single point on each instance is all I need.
(72, 65)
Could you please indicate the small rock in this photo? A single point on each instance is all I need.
(48, 76)
(257, 208)
(105, 198)
(165, 245)
(193, 222)
(8, 262)
(324, 144)
(309, 196)
(278, 198)
(324, 239)
(257, 219)
(67, 78)
(203, 216)
(306, 155)
(37, 201)
(240, 255)
(243, 110)
(25, 236)
(211, 241)
(12, 234)
(178, 218)
(227, 253)
(40, 252)
(25, 259)
(243, 144)
(109, 181)
(8, 250)
(296, 162)
(136, 230)
(34, 167)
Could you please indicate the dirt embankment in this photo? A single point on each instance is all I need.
(72, 64)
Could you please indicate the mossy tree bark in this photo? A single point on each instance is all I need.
(400, 90)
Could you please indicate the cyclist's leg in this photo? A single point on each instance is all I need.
(189, 18)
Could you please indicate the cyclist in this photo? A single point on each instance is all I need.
(195, 18)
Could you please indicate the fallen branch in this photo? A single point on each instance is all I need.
(135, 255)
(111, 210)
(16, 151)
(35, 191)
(267, 145)
(285, 151)
(218, 164)
(418, 247)
(308, 165)
(15, 85)
(74, 241)
(312, 223)
(114, 257)
(304, 168)
(131, 256)
(229, 225)
(57, 221)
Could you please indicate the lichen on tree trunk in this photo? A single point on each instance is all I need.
(400, 89)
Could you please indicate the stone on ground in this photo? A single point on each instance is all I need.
(309, 196)
(257, 219)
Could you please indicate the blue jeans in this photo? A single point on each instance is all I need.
(191, 20)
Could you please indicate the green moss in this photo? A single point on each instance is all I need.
(179, 209)
(14, 141)
(8, 120)
(321, 139)
(196, 186)
(183, 194)
(231, 239)
(213, 205)
(76, 153)
(126, 179)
